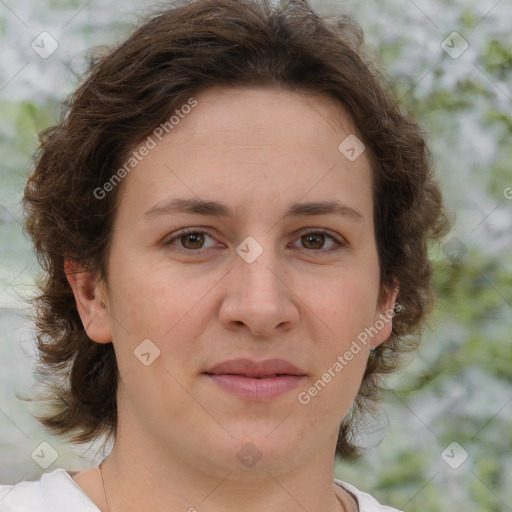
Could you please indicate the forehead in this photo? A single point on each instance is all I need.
(253, 143)
(232, 113)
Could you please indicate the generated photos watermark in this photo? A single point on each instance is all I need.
(158, 133)
(304, 397)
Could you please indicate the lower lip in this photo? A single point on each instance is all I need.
(257, 389)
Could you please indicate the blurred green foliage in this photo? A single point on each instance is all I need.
(459, 388)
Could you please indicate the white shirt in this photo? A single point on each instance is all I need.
(58, 492)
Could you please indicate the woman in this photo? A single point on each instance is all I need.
(233, 219)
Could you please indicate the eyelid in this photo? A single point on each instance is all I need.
(186, 231)
(339, 241)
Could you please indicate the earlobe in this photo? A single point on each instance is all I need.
(91, 302)
(384, 318)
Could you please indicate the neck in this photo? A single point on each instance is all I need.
(132, 481)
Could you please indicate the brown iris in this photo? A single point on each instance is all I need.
(318, 237)
(197, 240)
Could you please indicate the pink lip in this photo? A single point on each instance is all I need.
(249, 379)
(248, 368)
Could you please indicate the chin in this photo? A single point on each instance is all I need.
(250, 452)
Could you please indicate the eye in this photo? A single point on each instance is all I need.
(193, 240)
(316, 240)
(190, 239)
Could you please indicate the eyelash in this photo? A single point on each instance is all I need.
(340, 243)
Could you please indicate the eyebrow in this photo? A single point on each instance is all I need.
(218, 209)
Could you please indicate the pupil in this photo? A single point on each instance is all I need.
(196, 238)
(313, 237)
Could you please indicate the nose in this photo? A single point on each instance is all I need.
(259, 297)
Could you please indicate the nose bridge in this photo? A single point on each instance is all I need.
(257, 267)
(257, 295)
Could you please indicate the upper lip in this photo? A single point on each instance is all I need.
(249, 368)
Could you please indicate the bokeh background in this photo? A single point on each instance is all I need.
(443, 439)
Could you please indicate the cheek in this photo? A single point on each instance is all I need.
(330, 393)
(345, 304)
(158, 304)
(345, 309)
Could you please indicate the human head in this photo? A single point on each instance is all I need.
(137, 88)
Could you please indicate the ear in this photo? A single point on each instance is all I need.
(384, 314)
(91, 302)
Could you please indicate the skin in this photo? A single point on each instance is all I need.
(258, 150)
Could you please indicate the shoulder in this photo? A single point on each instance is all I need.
(54, 492)
(367, 503)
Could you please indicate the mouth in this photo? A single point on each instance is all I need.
(256, 380)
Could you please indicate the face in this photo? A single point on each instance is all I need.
(262, 274)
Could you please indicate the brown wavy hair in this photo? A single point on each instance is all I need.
(130, 90)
